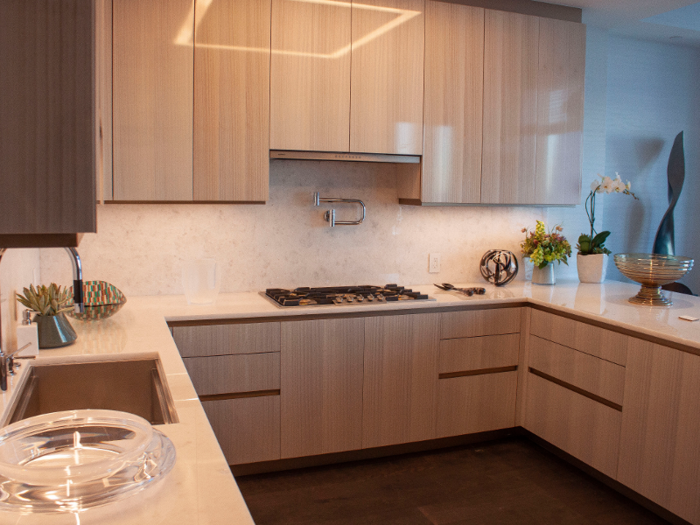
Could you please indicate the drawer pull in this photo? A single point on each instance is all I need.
(237, 395)
(478, 372)
(576, 389)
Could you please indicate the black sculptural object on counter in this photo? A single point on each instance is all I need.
(664, 243)
(499, 267)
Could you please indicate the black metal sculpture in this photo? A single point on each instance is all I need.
(664, 241)
(499, 267)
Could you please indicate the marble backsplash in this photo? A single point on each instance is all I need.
(286, 243)
(17, 270)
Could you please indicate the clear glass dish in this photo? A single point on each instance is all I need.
(73, 460)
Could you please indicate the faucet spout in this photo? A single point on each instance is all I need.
(78, 299)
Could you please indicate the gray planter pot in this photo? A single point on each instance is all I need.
(54, 331)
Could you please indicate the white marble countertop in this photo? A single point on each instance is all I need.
(201, 490)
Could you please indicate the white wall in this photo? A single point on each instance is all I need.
(16, 271)
(653, 93)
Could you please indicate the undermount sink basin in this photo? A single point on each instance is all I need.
(136, 386)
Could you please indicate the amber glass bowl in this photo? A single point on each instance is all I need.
(652, 271)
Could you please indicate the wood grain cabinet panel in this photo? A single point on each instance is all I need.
(606, 344)
(586, 429)
(224, 339)
(510, 108)
(310, 75)
(454, 79)
(47, 125)
(248, 429)
(475, 323)
(660, 443)
(560, 79)
(231, 100)
(321, 386)
(386, 94)
(152, 100)
(229, 374)
(476, 403)
(478, 353)
(400, 379)
(592, 374)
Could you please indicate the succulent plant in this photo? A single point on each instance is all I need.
(46, 300)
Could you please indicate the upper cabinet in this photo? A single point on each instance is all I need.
(231, 100)
(510, 108)
(347, 77)
(47, 125)
(454, 72)
(190, 100)
(503, 109)
(152, 100)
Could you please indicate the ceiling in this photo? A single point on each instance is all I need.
(672, 21)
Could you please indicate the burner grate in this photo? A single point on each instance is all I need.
(337, 295)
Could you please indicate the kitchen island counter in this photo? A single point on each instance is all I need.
(201, 489)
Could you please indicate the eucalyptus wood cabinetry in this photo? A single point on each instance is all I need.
(235, 369)
(191, 100)
(660, 441)
(503, 124)
(347, 77)
(478, 360)
(400, 379)
(454, 79)
(231, 100)
(47, 121)
(321, 387)
(152, 100)
(574, 392)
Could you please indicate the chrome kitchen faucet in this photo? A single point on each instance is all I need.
(7, 357)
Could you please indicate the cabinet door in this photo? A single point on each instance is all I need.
(247, 428)
(560, 78)
(310, 75)
(660, 442)
(454, 80)
(321, 386)
(47, 147)
(152, 100)
(400, 379)
(231, 100)
(510, 108)
(387, 77)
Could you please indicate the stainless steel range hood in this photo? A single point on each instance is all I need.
(347, 157)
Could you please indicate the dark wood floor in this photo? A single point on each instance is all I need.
(511, 481)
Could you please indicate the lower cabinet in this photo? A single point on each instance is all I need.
(660, 441)
(477, 383)
(400, 379)
(574, 401)
(247, 428)
(321, 387)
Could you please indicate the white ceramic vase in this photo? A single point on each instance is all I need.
(544, 275)
(528, 265)
(592, 268)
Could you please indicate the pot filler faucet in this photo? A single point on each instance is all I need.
(7, 356)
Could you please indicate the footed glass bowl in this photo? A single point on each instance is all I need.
(652, 271)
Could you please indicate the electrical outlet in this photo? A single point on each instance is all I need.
(434, 263)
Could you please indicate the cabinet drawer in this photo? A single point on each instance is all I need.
(478, 353)
(586, 429)
(248, 429)
(474, 323)
(476, 403)
(230, 374)
(226, 339)
(592, 374)
(590, 339)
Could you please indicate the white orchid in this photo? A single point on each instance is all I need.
(606, 186)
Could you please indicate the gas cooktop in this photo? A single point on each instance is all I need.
(344, 295)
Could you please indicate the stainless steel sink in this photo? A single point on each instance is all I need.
(135, 386)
